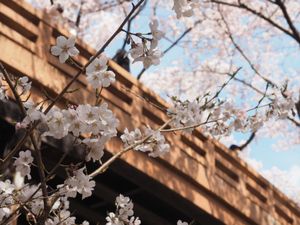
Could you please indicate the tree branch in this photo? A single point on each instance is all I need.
(288, 19)
(258, 14)
(173, 44)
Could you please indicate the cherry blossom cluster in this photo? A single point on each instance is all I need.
(65, 216)
(221, 118)
(23, 85)
(2, 88)
(97, 74)
(33, 113)
(60, 212)
(32, 198)
(124, 214)
(227, 119)
(23, 163)
(12, 195)
(185, 113)
(97, 123)
(184, 7)
(6, 198)
(146, 51)
(78, 183)
(93, 126)
(152, 142)
(179, 222)
(281, 106)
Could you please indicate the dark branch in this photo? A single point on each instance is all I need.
(243, 146)
(288, 19)
(258, 14)
(173, 44)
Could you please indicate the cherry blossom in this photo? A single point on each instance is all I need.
(64, 48)
(179, 222)
(184, 7)
(6, 198)
(101, 79)
(95, 147)
(76, 126)
(57, 124)
(30, 192)
(80, 183)
(155, 145)
(156, 34)
(185, 113)
(2, 93)
(124, 213)
(23, 163)
(64, 216)
(131, 137)
(148, 57)
(147, 51)
(112, 219)
(157, 148)
(33, 113)
(2, 88)
(24, 85)
(97, 65)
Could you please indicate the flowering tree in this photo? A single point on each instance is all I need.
(227, 42)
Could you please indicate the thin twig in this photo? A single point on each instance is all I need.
(191, 126)
(288, 19)
(228, 32)
(258, 14)
(173, 44)
(104, 166)
(224, 85)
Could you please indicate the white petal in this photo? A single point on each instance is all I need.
(103, 59)
(61, 41)
(63, 57)
(105, 83)
(155, 61)
(188, 13)
(90, 69)
(71, 41)
(73, 51)
(141, 58)
(55, 50)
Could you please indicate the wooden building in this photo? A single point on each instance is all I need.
(199, 180)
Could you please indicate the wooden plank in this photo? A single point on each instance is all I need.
(17, 22)
(18, 38)
(24, 9)
(177, 184)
